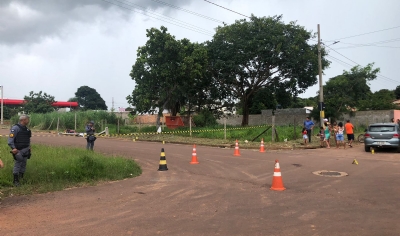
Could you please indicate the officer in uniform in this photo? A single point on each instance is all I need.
(90, 130)
(20, 142)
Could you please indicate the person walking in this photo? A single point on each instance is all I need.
(90, 130)
(308, 125)
(340, 136)
(350, 132)
(19, 141)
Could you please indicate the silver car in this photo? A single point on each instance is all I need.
(382, 135)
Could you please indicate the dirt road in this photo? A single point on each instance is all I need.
(223, 195)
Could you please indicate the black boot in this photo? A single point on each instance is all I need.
(16, 180)
(21, 176)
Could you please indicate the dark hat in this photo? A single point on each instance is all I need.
(91, 122)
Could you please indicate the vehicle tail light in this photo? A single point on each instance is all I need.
(395, 135)
(367, 135)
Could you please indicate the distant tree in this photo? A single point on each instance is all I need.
(38, 103)
(247, 56)
(89, 99)
(9, 112)
(380, 100)
(397, 92)
(344, 93)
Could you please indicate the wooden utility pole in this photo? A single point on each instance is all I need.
(321, 87)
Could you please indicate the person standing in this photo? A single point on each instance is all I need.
(90, 130)
(327, 130)
(334, 132)
(350, 132)
(305, 137)
(340, 136)
(308, 125)
(1, 164)
(19, 141)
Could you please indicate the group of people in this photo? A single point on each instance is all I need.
(328, 130)
(19, 140)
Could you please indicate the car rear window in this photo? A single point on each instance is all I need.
(382, 128)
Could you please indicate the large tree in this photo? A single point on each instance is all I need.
(380, 100)
(38, 102)
(343, 93)
(170, 74)
(263, 52)
(89, 99)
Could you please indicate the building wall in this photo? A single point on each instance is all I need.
(298, 115)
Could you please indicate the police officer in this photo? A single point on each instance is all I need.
(90, 130)
(20, 142)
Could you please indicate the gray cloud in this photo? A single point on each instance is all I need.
(31, 21)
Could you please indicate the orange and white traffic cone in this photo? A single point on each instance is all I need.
(237, 152)
(262, 146)
(194, 156)
(277, 183)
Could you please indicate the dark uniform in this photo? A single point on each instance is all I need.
(90, 136)
(20, 139)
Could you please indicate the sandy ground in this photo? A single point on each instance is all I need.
(223, 195)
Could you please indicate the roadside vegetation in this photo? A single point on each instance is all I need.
(56, 168)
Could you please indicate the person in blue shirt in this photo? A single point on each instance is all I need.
(308, 125)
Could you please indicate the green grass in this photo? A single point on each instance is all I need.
(57, 168)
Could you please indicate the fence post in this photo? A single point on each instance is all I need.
(294, 128)
(190, 125)
(273, 128)
(75, 122)
(58, 123)
(118, 126)
(225, 128)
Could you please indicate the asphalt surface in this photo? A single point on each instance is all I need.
(223, 195)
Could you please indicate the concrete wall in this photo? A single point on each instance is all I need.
(298, 115)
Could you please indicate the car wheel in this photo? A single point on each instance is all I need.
(366, 148)
(398, 149)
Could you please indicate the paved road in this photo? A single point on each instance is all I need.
(223, 195)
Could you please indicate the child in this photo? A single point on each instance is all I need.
(327, 134)
(322, 136)
(305, 136)
(340, 135)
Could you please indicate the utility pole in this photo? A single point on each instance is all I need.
(1, 86)
(321, 87)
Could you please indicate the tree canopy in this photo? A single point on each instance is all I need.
(347, 92)
(89, 99)
(263, 53)
(170, 74)
(38, 102)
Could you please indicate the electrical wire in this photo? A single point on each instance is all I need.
(188, 11)
(374, 44)
(187, 26)
(395, 27)
(227, 8)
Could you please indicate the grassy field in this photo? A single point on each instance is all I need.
(57, 168)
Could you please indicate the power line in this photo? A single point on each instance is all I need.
(365, 33)
(189, 26)
(227, 9)
(161, 15)
(188, 11)
(374, 44)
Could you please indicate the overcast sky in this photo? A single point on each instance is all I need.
(56, 46)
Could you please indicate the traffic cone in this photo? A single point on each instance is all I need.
(194, 156)
(277, 183)
(163, 161)
(237, 152)
(355, 162)
(262, 146)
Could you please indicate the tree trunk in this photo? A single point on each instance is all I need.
(246, 112)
